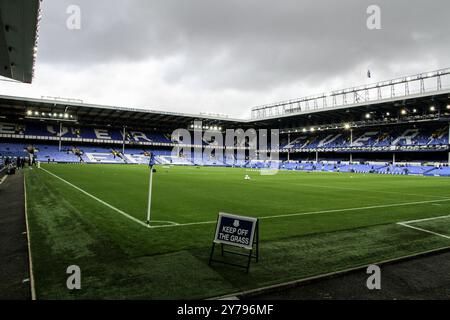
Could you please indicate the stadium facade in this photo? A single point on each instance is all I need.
(399, 126)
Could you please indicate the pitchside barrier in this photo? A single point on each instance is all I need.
(240, 233)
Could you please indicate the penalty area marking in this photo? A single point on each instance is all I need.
(170, 223)
(407, 225)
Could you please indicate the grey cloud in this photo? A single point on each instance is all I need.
(248, 45)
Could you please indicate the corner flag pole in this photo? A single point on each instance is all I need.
(149, 205)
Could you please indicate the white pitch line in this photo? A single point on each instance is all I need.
(426, 219)
(3, 179)
(163, 221)
(357, 209)
(317, 212)
(30, 258)
(105, 203)
(369, 191)
(174, 224)
(184, 224)
(423, 230)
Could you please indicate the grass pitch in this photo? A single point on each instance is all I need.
(311, 223)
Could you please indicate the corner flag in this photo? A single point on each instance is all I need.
(151, 163)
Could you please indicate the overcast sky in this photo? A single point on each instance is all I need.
(227, 56)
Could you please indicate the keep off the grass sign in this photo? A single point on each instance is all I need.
(235, 230)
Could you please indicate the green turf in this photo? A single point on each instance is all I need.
(120, 258)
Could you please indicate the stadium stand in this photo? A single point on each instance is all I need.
(105, 155)
(80, 134)
(394, 135)
(94, 145)
(401, 138)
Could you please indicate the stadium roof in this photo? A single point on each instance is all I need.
(100, 115)
(394, 100)
(16, 108)
(420, 103)
(18, 38)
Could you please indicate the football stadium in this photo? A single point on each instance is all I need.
(103, 201)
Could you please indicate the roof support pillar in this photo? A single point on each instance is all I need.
(124, 133)
(289, 144)
(60, 136)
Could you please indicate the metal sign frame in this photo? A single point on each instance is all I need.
(251, 251)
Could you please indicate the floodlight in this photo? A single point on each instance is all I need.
(432, 108)
(347, 126)
(403, 112)
(368, 115)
